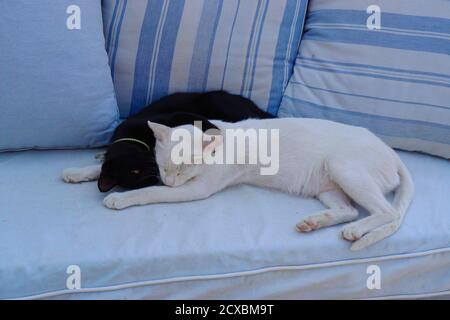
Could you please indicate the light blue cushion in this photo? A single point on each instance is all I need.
(157, 47)
(55, 83)
(394, 81)
(238, 244)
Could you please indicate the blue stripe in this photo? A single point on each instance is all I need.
(371, 97)
(206, 33)
(255, 57)
(111, 25)
(279, 82)
(229, 43)
(144, 55)
(388, 20)
(393, 127)
(414, 72)
(116, 40)
(380, 39)
(247, 58)
(371, 75)
(167, 49)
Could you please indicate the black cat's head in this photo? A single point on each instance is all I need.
(130, 165)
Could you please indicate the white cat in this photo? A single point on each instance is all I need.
(333, 162)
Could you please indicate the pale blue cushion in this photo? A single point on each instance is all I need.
(394, 81)
(240, 243)
(157, 47)
(55, 84)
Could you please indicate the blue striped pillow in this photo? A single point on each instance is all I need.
(157, 47)
(394, 80)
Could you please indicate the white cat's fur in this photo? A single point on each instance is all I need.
(85, 174)
(333, 162)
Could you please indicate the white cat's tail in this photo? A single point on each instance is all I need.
(402, 200)
(404, 193)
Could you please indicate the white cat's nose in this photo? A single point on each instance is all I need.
(170, 181)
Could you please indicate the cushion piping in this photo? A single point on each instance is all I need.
(249, 273)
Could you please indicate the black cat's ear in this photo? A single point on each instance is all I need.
(106, 182)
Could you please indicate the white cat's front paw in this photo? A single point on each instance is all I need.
(72, 175)
(116, 201)
(352, 233)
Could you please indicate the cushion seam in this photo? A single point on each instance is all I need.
(234, 274)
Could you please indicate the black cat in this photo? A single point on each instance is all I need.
(130, 159)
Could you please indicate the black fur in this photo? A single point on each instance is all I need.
(131, 165)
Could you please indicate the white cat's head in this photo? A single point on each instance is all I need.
(173, 173)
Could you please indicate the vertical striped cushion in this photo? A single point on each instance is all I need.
(394, 81)
(157, 47)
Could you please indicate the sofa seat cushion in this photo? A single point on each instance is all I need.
(240, 243)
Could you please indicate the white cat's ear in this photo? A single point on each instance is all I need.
(162, 132)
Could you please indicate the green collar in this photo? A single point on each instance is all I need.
(133, 140)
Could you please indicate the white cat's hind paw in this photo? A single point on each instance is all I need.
(351, 232)
(307, 225)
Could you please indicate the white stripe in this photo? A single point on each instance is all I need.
(427, 34)
(291, 40)
(264, 64)
(253, 48)
(348, 87)
(156, 46)
(221, 42)
(427, 8)
(352, 53)
(126, 54)
(184, 45)
(114, 30)
(404, 76)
